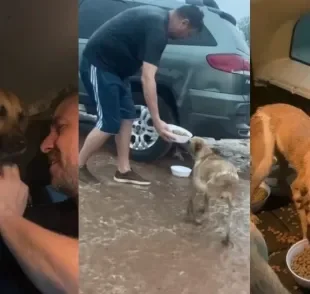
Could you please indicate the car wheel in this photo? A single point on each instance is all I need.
(146, 145)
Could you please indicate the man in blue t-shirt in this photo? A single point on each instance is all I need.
(134, 39)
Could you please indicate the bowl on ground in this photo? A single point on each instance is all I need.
(291, 254)
(180, 171)
(258, 204)
(180, 134)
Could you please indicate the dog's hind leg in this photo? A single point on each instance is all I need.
(262, 149)
(298, 199)
(227, 240)
(205, 208)
(190, 211)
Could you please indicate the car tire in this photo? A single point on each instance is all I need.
(160, 147)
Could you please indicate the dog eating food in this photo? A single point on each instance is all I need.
(214, 177)
(301, 264)
(286, 129)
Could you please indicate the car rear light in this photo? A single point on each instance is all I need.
(231, 63)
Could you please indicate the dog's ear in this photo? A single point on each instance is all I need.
(198, 145)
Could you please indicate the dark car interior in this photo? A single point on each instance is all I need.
(38, 58)
(46, 64)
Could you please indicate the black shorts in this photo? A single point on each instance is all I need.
(111, 94)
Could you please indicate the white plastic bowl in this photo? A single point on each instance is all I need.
(180, 171)
(178, 138)
(294, 250)
(257, 206)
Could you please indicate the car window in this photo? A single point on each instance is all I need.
(92, 14)
(300, 45)
(205, 38)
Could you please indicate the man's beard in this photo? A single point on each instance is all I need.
(67, 181)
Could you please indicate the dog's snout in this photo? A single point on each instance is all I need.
(13, 144)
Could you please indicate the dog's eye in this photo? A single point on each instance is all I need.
(3, 111)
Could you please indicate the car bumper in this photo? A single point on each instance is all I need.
(218, 115)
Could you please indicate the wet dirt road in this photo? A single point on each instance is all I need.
(134, 240)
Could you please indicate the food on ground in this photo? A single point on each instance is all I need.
(179, 133)
(259, 195)
(301, 264)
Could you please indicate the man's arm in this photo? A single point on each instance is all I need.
(149, 89)
(50, 260)
(154, 46)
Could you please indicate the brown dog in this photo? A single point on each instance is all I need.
(214, 177)
(13, 123)
(286, 128)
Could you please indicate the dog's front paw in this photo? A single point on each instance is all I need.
(199, 221)
(227, 242)
(192, 220)
(202, 210)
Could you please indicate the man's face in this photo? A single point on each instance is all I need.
(61, 147)
(182, 30)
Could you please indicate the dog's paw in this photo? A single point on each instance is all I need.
(227, 242)
(199, 221)
(202, 210)
(191, 220)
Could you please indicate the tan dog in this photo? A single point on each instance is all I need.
(13, 123)
(214, 177)
(286, 128)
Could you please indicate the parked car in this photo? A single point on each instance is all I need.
(280, 63)
(203, 82)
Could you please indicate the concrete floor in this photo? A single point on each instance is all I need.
(134, 240)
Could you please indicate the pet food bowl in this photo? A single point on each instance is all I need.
(258, 205)
(180, 171)
(293, 251)
(180, 138)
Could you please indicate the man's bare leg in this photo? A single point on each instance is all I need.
(124, 172)
(122, 140)
(93, 142)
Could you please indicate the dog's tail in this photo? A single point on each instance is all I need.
(262, 147)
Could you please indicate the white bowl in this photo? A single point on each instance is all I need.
(294, 250)
(180, 171)
(178, 138)
(257, 206)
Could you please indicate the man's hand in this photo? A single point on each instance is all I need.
(163, 130)
(13, 192)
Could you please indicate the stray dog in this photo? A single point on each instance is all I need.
(286, 128)
(214, 177)
(13, 124)
(262, 277)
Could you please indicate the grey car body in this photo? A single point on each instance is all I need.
(203, 82)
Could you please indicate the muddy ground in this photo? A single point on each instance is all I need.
(134, 240)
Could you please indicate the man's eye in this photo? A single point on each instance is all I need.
(59, 128)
